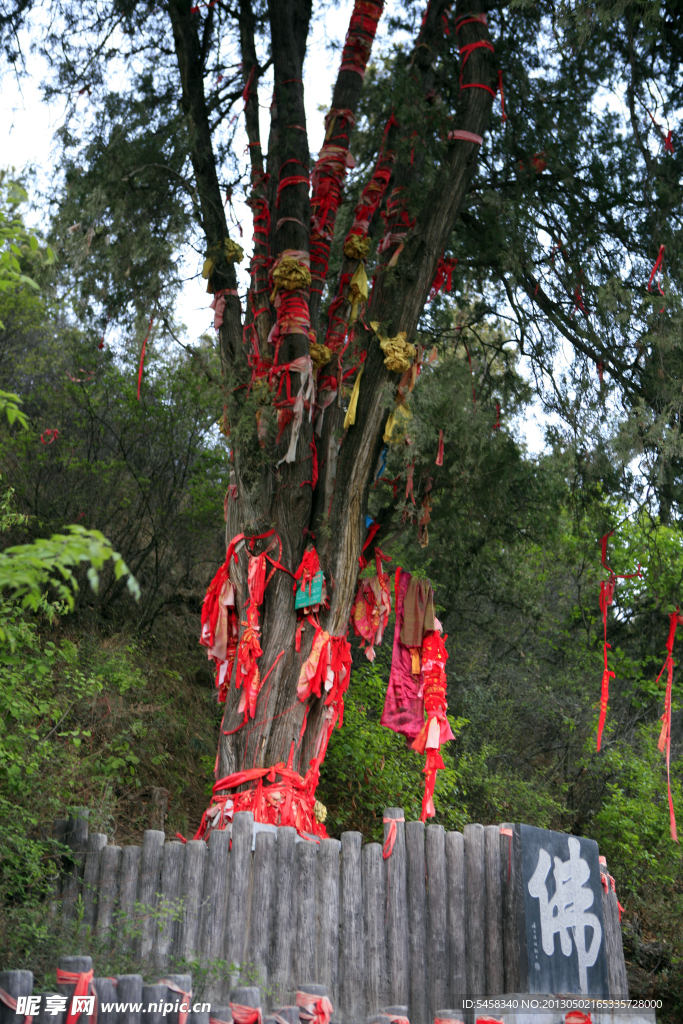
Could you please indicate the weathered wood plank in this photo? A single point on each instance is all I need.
(304, 950)
(153, 1000)
(129, 991)
(239, 878)
(616, 965)
(77, 841)
(186, 944)
(437, 918)
(375, 946)
(168, 922)
(246, 995)
(284, 931)
(395, 887)
(124, 915)
(91, 876)
(351, 996)
(509, 866)
(327, 905)
(262, 896)
(149, 876)
(46, 1014)
(417, 922)
(182, 982)
(215, 897)
(495, 960)
(15, 984)
(475, 908)
(59, 834)
(108, 890)
(106, 993)
(456, 917)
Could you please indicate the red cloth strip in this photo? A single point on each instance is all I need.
(84, 986)
(11, 1004)
(187, 999)
(439, 454)
(664, 743)
(389, 842)
(245, 1014)
(465, 136)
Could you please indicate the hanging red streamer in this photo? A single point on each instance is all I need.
(606, 598)
(664, 743)
(658, 263)
(443, 279)
(439, 454)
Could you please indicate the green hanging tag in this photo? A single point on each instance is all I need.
(312, 594)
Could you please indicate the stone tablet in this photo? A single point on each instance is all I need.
(565, 931)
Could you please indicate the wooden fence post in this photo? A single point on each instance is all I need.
(125, 917)
(191, 889)
(129, 992)
(107, 889)
(475, 908)
(416, 923)
(239, 877)
(284, 930)
(456, 917)
(168, 924)
(495, 962)
(351, 927)
(148, 888)
(77, 841)
(15, 984)
(509, 868)
(106, 993)
(91, 876)
(375, 946)
(262, 898)
(75, 965)
(327, 904)
(215, 897)
(395, 886)
(59, 834)
(154, 996)
(304, 949)
(437, 919)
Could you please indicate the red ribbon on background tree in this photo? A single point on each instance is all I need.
(606, 598)
(664, 743)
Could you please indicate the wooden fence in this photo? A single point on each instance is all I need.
(435, 921)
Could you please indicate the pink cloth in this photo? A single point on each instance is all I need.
(403, 705)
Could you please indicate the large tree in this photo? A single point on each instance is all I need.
(555, 215)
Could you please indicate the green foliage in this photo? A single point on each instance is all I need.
(18, 247)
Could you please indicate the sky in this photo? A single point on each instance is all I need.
(28, 125)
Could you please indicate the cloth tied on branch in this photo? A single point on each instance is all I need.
(319, 353)
(290, 272)
(245, 1014)
(326, 673)
(219, 627)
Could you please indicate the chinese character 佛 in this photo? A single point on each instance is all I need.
(565, 912)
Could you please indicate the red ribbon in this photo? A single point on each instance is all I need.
(439, 454)
(182, 1014)
(374, 529)
(83, 982)
(245, 1014)
(658, 263)
(142, 355)
(48, 436)
(577, 1017)
(318, 1011)
(665, 735)
(11, 1004)
(606, 597)
(388, 847)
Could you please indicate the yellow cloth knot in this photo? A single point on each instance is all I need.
(356, 247)
(232, 252)
(398, 353)
(320, 812)
(358, 290)
(320, 354)
(395, 429)
(290, 274)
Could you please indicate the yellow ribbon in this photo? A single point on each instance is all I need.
(401, 412)
(289, 275)
(350, 417)
(358, 290)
